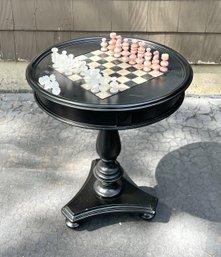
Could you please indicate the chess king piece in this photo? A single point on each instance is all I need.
(140, 55)
(164, 63)
(104, 45)
(133, 52)
(55, 57)
(125, 52)
(112, 43)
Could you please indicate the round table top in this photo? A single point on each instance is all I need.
(154, 92)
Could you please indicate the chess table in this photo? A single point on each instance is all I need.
(107, 188)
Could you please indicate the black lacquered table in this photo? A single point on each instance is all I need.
(107, 190)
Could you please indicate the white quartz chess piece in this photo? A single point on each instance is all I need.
(104, 83)
(54, 57)
(55, 88)
(114, 86)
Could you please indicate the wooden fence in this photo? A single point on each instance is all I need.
(192, 27)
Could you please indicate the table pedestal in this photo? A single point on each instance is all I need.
(106, 190)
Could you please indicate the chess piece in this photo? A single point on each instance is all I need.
(114, 86)
(125, 52)
(104, 83)
(119, 37)
(147, 66)
(156, 68)
(140, 55)
(68, 65)
(164, 63)
(134, 46)
(117, 50)
(55, 88)
(54, 56)
(112, 43)
(104, 45)
(148, 54)
(155, 60)
(133, 52)
(83, 68)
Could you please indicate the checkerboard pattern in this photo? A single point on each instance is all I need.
(127, 75)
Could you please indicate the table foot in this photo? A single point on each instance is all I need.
(72, 224)
(87, 203)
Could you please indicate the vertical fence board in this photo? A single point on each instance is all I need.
(24, 14)
(193, 16)
(7, 45)
(214, 17)
(92, 15)
(159, 38)
(212, 48)
(120, 16)
(189, 45)
(53, 14)
(44, 40)
(60, 36)
(6, 18)
(163, 16)
(138, 15)
(25, 45)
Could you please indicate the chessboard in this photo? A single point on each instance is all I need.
(127, 75)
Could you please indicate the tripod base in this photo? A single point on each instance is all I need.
(87, 203)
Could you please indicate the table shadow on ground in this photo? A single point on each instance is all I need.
(189, 180)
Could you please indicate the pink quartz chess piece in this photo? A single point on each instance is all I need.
(141, 48)
(147, 66)
(119, 37)
(104, 45)
(165, 57)
(134, 46)
(117, 49)
(112, 43)
(125, 52)
(148, 55)
(140, 55)
(139, 62)
(156, 68)
(132, 58)
(164, 63)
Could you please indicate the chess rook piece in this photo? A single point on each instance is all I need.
(104, 45)
(165, 57)
(164, 63)
(117, 49)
